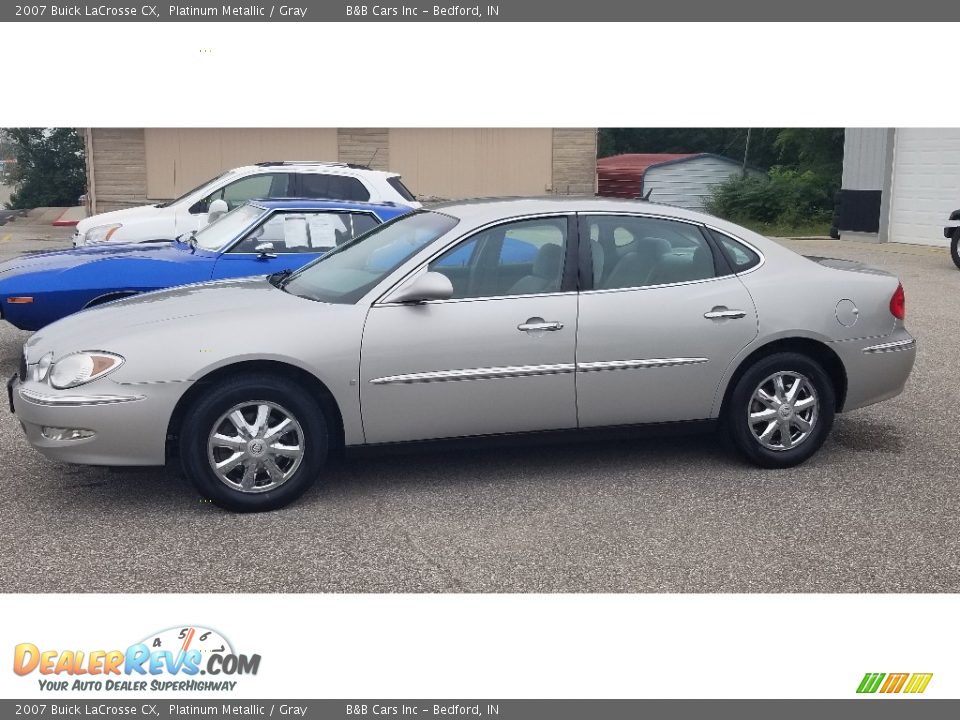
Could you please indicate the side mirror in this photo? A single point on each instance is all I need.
(429, 286)
(265, 251)
(218, 208)
(200, 207)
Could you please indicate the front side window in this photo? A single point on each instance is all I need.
(353, 269)
(631, 252)
(253, 187)
(198, 189)
(217, 234)
(309, 232)
(332, 187)
(519, 258)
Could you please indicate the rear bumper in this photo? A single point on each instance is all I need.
(877, 368)
(128, 423)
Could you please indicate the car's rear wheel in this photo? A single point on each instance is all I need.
(955, 247)
(781, 410)
(254, 443)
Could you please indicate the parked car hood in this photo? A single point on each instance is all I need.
(126, 216)
(67, 259)
(103, 326)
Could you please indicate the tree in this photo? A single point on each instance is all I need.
(729, 142)
(819, 150)
(48, 167)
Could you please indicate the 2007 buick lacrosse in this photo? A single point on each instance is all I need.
(470, 319)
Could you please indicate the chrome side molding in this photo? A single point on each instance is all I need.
(492, 373)
(631, 364)
(36, 398)
(489, 373)
(896, 346)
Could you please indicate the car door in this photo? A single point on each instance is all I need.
(497, 357)
(661, 321)
(287, 240)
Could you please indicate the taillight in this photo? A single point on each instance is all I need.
(898, 303)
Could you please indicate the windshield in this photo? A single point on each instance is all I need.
(221, 231)
(349, 272)
(199, 187)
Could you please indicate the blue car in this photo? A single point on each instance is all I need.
(258, 238)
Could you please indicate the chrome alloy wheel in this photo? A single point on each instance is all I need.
(255, 447)
(783, 411)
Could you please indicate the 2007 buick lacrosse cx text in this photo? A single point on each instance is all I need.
(469, 319)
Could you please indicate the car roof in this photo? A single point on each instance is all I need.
(335, 168)
(315, 204)
(491, 209)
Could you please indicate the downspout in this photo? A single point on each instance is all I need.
(91, 176)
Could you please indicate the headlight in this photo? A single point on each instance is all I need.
(42, 369)
(81, 368)
(101, 233)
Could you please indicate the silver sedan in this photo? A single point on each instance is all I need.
(473, 318)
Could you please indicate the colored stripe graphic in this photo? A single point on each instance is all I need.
(870, 682)
(894, 682)
(918, 683)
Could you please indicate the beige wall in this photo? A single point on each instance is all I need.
(131, 166)
(179, 159)
(467, 162)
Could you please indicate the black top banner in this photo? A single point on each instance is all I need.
(854, 11)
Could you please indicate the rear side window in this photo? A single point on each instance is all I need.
(634, 252)
(397, 184)
(332, 187)
(739, 256)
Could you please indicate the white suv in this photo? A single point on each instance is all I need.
(326, 180)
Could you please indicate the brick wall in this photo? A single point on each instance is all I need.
(118, 161)
(574, 161)
(365, 146)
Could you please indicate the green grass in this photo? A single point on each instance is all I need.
(783, 230)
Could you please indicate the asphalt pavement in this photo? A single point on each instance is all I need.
(877, 510)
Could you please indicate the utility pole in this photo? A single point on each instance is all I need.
(746, 152)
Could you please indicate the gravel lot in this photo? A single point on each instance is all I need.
(877, 510)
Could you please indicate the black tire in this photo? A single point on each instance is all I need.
(283, 394)
(741, 403)
(955, 247)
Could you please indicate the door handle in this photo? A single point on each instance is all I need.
(719, 313)
(539, 325)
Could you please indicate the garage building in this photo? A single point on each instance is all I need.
(682, 179)
(135, 166)
(899, 184)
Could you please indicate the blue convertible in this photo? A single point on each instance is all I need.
(258, 238)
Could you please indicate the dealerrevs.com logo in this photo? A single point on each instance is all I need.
(190, 658)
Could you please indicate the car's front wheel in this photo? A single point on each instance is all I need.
(781, 410)
(254, 443)
(955, 247)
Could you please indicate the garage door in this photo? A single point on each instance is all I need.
(926, 184)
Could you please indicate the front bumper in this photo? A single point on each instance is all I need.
(128, 422)
(877, 368)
